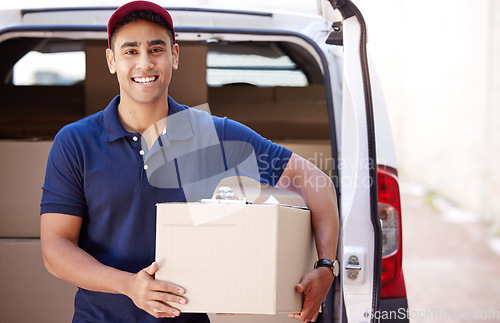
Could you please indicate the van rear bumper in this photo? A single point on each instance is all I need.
(394, 310)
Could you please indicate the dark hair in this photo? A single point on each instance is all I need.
(148, 15)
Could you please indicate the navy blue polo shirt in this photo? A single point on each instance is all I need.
(110, 178)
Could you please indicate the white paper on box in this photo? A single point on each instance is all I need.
(247, 260)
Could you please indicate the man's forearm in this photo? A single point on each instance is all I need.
(322, 202)
(318, 191)
(323, 206)
(70, 263)
(65, 260)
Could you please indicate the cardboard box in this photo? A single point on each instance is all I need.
(22, 172)
(28, 292)
(235, 258)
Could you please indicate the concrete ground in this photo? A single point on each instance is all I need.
(452, 274)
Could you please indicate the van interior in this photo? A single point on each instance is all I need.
(275, 88)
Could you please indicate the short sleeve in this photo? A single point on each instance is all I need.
(271, 158)
(63, 187)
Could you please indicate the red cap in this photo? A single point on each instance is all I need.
(130, 7)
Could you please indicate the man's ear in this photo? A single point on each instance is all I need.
(110, 59)
(175, 57)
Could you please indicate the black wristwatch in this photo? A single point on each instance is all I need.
(332, 264)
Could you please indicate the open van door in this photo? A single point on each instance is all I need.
(360, 248)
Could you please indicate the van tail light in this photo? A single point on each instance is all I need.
(389, 208)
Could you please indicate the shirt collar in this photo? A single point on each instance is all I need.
(181, 129)
(113, 128)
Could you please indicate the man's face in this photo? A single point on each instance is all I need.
(143, 60)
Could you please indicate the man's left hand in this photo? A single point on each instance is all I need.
(315, 285)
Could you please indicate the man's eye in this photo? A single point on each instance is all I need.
(156, 50)
(130, 52)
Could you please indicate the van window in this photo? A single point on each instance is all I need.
(41, 87)
(263, 64)
(38, 68)
(275, 88)
(254, 69)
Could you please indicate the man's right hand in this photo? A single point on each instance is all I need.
(152, 295)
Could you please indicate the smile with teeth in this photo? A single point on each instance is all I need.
(145, 80)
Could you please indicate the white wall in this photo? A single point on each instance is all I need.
(439, 64)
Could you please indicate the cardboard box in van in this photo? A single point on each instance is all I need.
(235, 258)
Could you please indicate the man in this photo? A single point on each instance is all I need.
(98, 204)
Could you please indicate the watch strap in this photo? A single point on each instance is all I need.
(324, 263)
(331, 264)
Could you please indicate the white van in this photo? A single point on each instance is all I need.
(302, 66)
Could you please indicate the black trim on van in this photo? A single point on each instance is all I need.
(397, 308)
(208, 10)
(53, 28)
